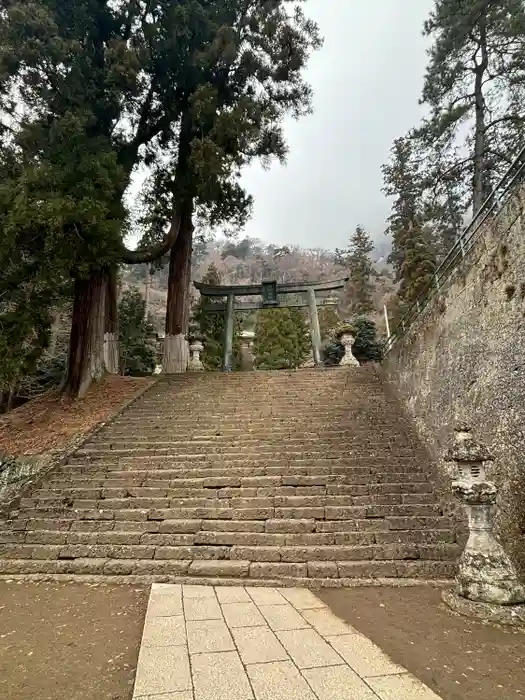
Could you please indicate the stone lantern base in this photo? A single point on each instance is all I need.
(512, 615)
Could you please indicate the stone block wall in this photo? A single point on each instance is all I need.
(463, 360)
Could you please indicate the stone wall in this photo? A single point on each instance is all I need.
(463, 360)
(15, 474)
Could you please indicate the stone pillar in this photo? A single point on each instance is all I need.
(229, 315)
(315, 330)
(348, 359)
(486, 574)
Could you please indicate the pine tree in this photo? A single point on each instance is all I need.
(356, 259)
(211, 326)
(475, 81)
(282, 339)
(137, 336)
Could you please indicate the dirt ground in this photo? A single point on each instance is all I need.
(69, 641)
(49, 422)
(458, 658)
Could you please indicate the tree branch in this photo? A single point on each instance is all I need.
(507, 118)
(156, 251)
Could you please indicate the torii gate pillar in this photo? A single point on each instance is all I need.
(315, 330)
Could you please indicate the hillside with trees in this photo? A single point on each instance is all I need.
(249, 261)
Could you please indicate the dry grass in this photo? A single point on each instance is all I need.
(48, 423)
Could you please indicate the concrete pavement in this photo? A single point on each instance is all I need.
(236, 643)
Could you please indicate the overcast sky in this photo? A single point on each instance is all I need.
(367, 80)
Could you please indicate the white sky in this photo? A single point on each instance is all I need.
(367, 80)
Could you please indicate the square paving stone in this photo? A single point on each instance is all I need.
(283, 617)
(258, 645)
(206, 636)
(198, 592)
(266, 596)
(301, 598)
(308, 649)
(162, 670)
(220, 677)
(184, 695)
(326, 623)
(242, 615)
(202, 609)
(232, 594)
(339, 683)
(168, 588)
(279, 681)
(164, 632)
(164, 603)
(364, 656)
(403, 686)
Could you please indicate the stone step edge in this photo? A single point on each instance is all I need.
(285, 582)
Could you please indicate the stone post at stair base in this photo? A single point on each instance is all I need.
(348, 359)
(196, 347)
(195, 363)
(247, 356)
(486, 574)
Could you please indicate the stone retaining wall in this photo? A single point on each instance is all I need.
(463, 360)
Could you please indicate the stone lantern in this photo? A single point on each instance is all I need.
(247, 358)
(196, 346)
(486, 574)
(347, 338)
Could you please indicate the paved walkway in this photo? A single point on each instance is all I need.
(204, 643)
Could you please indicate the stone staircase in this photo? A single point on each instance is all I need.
(309, 477)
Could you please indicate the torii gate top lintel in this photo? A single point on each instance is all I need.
(246, 290)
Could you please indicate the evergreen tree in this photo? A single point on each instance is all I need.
(244, 78)
(475, 82)
(419, 264)
(137, 336)
(211, 326)
(413, 249)
(89, 95)
(282, 339)
(366, 347)
(358, 263)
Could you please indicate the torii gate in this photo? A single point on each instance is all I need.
(270, 292)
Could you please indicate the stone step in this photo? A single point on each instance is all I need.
(354, 495)
(152, 534)
(381, 527)
(94, 455)
(278, 431)
(350, 462)
(110, 442)
(188, 420)
(279, 573)
(216, 477)
(255, 553)
(288, 485)
(328, 519)
(268, 503)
